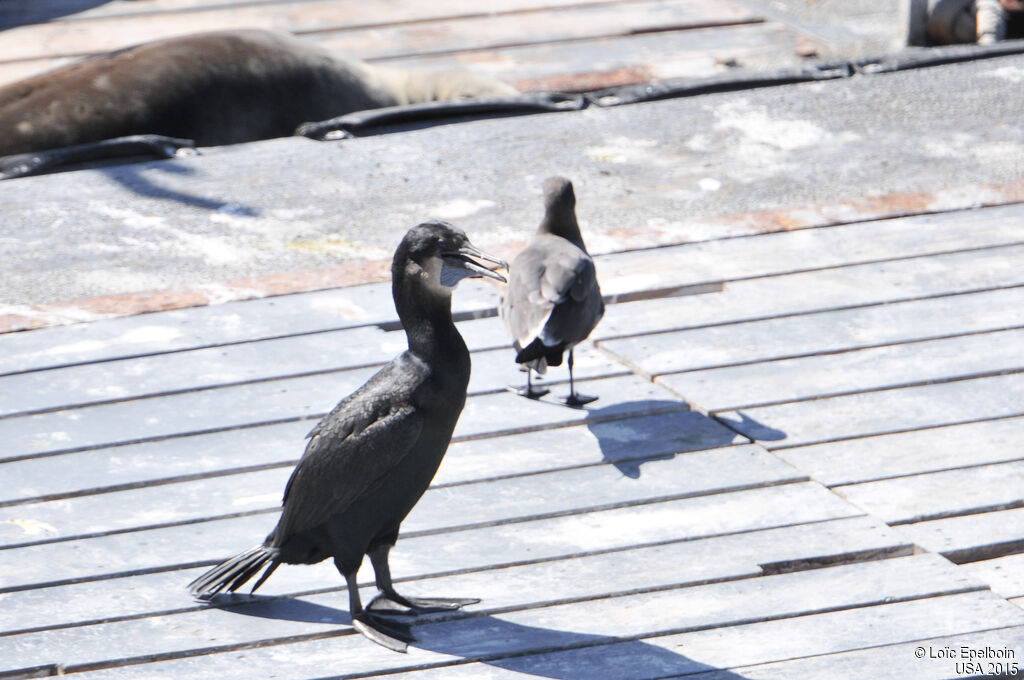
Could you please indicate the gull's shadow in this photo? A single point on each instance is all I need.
(749, 427)
(658, 430)
(532, 650)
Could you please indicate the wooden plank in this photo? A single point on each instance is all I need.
(810, 249)
(871, 413)
(707, 559)
(710, 261)
(216, 325)
(511, 633)
(195, 369)
(651, 657)
(387, 13)
(907, 453)
(158, 417)
(889, 662)
(435, 33)
(403, 28)
(826, 375)
(1004, 575)
(941, 494)
(560, 66)
(533, 27)
(820, 290)
(627, 443)
(757, 643)
(298, 398)
(451, 507)
(124, 378)
(18, 12)
(812, 291)
(970, 537)
(207, 542)
(823, 332)
(846, 630)
(89, 36)
(127, 466)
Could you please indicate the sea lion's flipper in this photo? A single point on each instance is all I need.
(22, 165)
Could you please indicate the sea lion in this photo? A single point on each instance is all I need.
(214, 88)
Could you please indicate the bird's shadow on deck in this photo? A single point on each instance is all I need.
(662, 429)
(531, 650)
(137, 178)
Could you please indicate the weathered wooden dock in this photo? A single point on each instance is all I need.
(824, 475)
(806, 460)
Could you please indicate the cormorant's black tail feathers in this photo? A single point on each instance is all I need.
(233, 573)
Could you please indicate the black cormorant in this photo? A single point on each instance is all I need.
(552, 301)
(371, 458)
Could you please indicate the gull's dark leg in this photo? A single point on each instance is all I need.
(529, 391)
(575, 399)
(390, 602)
(395, 637)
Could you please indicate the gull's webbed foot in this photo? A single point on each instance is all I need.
(530, 391)
(577, 400)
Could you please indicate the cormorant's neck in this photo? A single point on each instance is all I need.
(426, 315)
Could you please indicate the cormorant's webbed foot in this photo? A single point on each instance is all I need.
(577, 400)
(394, 636)
(394, 603)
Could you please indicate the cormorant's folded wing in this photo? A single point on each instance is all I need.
(348, 453)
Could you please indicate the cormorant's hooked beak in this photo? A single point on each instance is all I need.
(462, 263)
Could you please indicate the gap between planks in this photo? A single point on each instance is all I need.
(319, 23)
(543, 427)
(864, 390)
(606, 260)
(796, 478)
(614, 313)
(894, 549)
(839, 510)
(345, 632)
(859, 602)
(667, 293)
(224, 472)
(782, 447)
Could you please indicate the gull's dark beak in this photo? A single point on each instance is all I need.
(462, 263)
